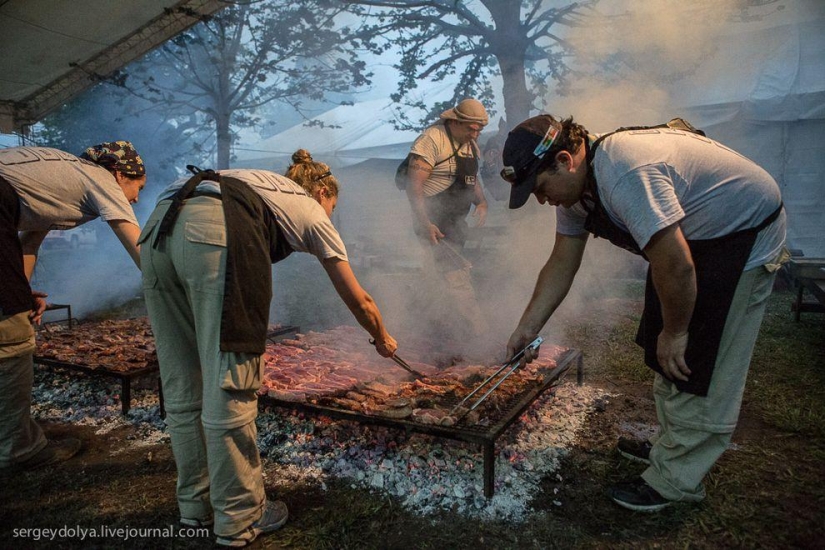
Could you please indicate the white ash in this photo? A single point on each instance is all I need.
(425, 473)
(84, 400)
(639, 430)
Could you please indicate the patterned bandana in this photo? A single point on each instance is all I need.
(116, 155)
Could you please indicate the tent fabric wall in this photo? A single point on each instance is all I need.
(771, 108)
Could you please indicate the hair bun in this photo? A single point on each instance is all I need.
(301, 156)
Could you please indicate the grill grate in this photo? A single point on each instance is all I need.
(485, 435)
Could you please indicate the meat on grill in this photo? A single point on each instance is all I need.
(339, 369)
(117, 345)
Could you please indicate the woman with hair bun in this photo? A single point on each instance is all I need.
(207, 255)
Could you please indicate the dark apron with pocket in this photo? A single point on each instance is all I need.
(254, 242)
(448, 208)
(718, 263)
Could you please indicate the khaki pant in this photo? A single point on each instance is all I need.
(694, 431)
(20, 436)
(210, 398)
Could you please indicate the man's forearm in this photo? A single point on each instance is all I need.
(30, 242)
(554, 282)
(416, 197)
(676, 288)
(479, 197)
(674, 278)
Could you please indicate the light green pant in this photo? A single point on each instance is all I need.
(210, 398)
(694, 431)
(20, 436)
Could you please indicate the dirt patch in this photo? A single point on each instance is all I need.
(765, 492)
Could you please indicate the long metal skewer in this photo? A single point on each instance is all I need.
(403, 364)
(513, 363)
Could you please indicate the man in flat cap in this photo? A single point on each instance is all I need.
(442, 187)
(43, 189)
(711, 225)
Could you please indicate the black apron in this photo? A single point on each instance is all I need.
(254, 242)
(718, 263)
(448, 208)
(15, 292)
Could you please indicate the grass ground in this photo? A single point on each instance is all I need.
(767, 492)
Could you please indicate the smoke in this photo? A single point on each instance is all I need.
(632, 59)
(95, 277)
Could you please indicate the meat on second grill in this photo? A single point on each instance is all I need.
(336, 368)
(117, 345)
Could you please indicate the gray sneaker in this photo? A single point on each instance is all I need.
(638, 496)
(274, 517)
(198, 522)
(54, 451)
(635, 449)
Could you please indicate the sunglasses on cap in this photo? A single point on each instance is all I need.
(514, 175)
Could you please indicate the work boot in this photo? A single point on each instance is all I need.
(274, 516)
(54, 451)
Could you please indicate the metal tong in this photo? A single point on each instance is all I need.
(512, 364)
(403, 364)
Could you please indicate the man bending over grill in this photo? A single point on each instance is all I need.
(43, 189)
(711, 225)
(206, 252)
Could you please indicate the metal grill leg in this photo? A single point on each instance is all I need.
(579, 371)
(125, 395)
(160, 399)
(489, 450)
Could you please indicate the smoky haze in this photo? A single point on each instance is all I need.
(631, 65)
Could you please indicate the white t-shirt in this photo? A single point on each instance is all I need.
(305, 224)
(651, 179)
(433, 145)
(58, 190)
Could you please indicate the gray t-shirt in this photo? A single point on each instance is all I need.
(651, 179)
(305, 224)
(433, 145)
(58, 190)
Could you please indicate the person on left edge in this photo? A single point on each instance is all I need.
(207, 251)
(43, 189)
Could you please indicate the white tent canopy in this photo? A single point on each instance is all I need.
(770, 106)
(348, 133)
(52, 51)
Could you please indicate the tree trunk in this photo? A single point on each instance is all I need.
(517, 98)
(224, 137)
(509, 45)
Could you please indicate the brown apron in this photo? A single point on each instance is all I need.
(15, 292)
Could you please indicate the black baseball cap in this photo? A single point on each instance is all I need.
(525, 149)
